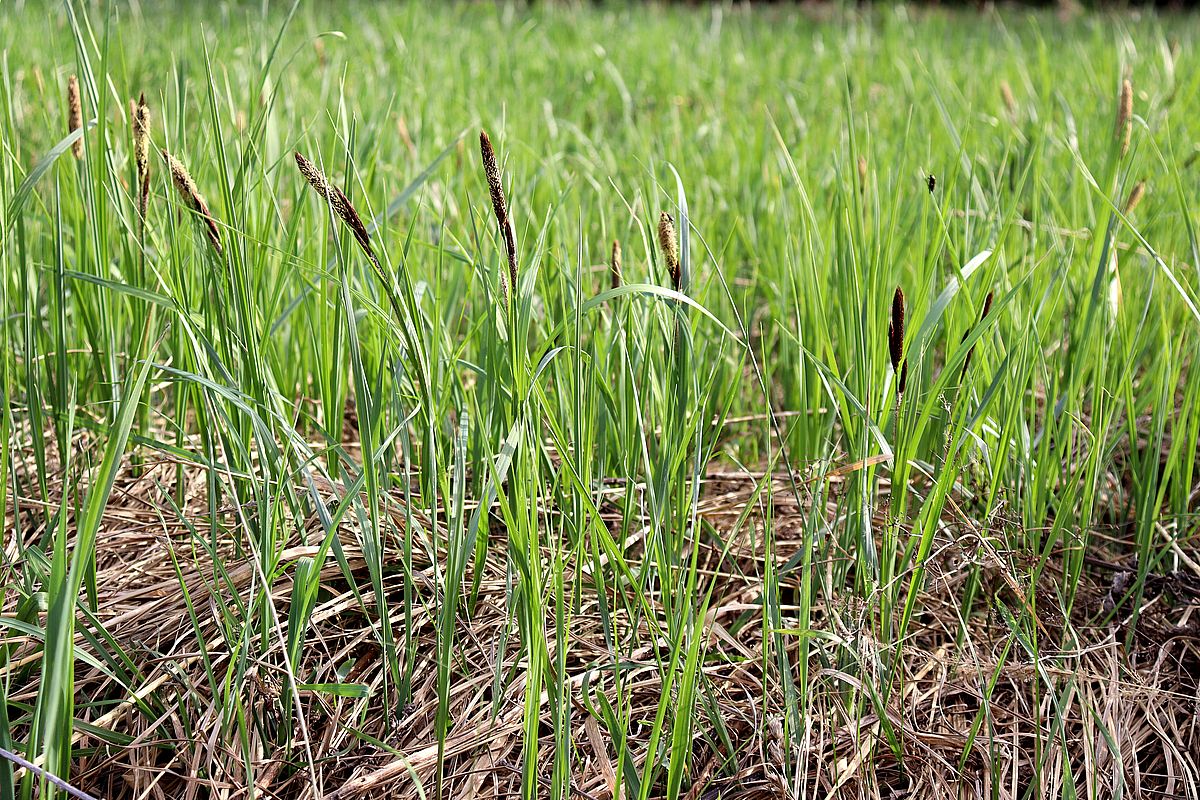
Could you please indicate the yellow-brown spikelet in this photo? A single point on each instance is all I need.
(670, 251)
(491, 172)
(1135, 197)
(862, 173)
(896, 339)
(141, 153)
(1010, 102)
(614, 265)
(192, 198)
(339, 203)
(987, 307)
(1123, 131)
(74, 114)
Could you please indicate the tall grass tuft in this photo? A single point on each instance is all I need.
(491, 171)
(192, 198)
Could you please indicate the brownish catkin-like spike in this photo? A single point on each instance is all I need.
(1006, 94)
(896, 330)
(192, 198)
(670, 251)
(614, 265)
(491, 172)
(74, 114)
(1123, 131)
(903, 378)
(141, 153)
(1135, 197)
(862, 174)
(987, 307)
(339, 203)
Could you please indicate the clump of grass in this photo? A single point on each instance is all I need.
(141, 153)
(74, 114)
(192, 198)
(896, 340)
(1123, 131)
(340, 204)
(491, 171)
(670, 251)
(614, 265)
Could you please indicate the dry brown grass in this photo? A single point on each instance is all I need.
(1143, 696)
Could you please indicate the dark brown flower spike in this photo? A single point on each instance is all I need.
(987, 307)
(192, 198)
(74, 114)
(339, 203)
(141, 153)
(614, 265)
(670, 251)
(491, 172)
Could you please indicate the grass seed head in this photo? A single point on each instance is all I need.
(141, 153)
(670, 251)
(614, 265)
(339, 203)
(896, 330)
(74, 114)
(987, 308)
(1124, 127)
(932, 182)
(1135, 197)
(862, 173)
(491, 172)
(186, 187)
(1010, 102)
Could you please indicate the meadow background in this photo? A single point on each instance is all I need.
(295, 512)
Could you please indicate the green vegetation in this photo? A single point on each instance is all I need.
(303, 499)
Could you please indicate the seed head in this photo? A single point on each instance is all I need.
(1135, 197)
(192, 198)
(670, 252)
(1010, 102)
(932, 182)
(74, 114)
(862, 173)
(987, 307)
(1124, 128)
(141, 153)
(491, 172)
(614, 266)
(340, 204)
(896, 330)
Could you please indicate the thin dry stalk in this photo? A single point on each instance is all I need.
(670, 251)
(74, 114)
(339, 203)
(491, 171)
(1123, 131)
(614, 265)
(141, 153)
(192, 198)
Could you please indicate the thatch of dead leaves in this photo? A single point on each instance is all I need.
(1113, 709)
